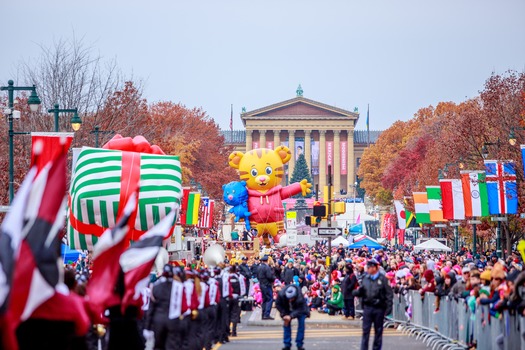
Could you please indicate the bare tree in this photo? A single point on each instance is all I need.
(71, 74)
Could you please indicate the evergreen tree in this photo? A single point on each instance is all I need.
(301, 172)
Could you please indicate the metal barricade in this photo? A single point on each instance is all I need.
(511, 331)
(522, 332)
(482, 329)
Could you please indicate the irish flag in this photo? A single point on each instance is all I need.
(452, 199)
(475, 193)
(422, 208)
(434, 204)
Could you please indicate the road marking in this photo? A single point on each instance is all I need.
(218, 345)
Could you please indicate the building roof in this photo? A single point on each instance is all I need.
(360, 136)
(299, 108)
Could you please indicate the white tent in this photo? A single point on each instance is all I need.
(432, 245)
(340, 240)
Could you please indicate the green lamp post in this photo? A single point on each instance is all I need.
(75, 120)
(33, 102)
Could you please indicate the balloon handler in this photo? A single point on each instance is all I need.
(263, 171)
(291, 304)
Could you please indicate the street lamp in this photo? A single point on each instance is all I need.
(33, 101)
(75, 120)
(512, 136)
(96, 130)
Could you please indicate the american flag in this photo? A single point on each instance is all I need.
(206, 213)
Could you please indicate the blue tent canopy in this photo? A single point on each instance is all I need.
(68, 254)
(366, 241)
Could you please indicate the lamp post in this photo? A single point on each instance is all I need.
(96, 130)
(33, 103)
(75, 120)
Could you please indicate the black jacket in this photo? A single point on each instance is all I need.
(244, 270)
(265, 275)
(376, 293)
(297, 307)
(160, 302)
(349, 284)
(288, 274)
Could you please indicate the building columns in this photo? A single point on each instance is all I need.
(337, 161)
(249, 142)
(308, 149)
(322, 160)
(291, 146)
(351, 164)
(276, 138)
(262, 138)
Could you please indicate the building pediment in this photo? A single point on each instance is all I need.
(299, 107)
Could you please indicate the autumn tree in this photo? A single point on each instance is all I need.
(196, 138)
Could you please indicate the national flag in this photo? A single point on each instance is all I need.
(184, 205)
(30, 241)
(401, 214)
(192, 213)
(136, 262)
(434, 204)
(523, 156)
(421, 207)
(106, 255)
(475, 194)
(452, 199)
(206, 213)
(411, 221)
(501, 186)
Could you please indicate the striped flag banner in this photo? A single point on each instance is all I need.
(452, 199)
(475, 196)
(421, 207)
(434, 204)
(192, 212)
(206, 213)
(501, 186)
(104, 179)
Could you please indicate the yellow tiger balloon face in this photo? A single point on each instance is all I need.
(261, 168)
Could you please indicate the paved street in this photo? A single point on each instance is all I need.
(331, 337)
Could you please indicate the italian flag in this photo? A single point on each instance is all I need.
(475, 194)
(192, 213)
(421, 207)
(452, 199)
(434, 204)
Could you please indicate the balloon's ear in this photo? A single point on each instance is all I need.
(243, 183)
(235, 159)
(223, 187)
(284, 153)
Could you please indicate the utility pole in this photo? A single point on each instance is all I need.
(329, 216)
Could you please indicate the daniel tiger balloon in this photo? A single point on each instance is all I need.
(263, 171)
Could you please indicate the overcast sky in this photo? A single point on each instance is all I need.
(395, 55)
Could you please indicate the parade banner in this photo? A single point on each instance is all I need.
(104, 178)
(344, 157)
(51, 143)
(315, 157)
(329, 155)
(269, 144)
(299, 148)
(255, 144)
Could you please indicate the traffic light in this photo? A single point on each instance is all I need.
(319, 209)
(308, 220)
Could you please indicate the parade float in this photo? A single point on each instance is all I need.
(260, 172)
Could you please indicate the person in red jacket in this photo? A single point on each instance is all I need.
(431, 283)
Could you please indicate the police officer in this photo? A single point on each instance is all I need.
(377, 299)
(266, 279)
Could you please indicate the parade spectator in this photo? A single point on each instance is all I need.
(336, 303)
(349, 285)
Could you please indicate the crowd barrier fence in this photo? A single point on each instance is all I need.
(454, 325)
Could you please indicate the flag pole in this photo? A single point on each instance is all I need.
(368, 123)
(231, 123)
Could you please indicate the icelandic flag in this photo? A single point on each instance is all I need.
(501, 186)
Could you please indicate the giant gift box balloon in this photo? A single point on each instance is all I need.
(263, 171)
(103, 180)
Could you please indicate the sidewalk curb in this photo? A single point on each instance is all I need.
(255, 320)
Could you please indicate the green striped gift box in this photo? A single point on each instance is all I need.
(96, 192)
